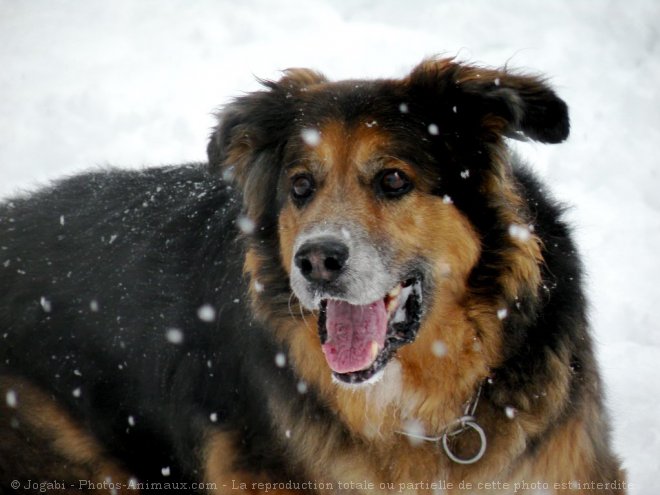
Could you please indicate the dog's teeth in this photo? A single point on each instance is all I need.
(374, 350)
(391, 304)
(393, 298)
(395, 292)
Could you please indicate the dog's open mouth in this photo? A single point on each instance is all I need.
(359, 340)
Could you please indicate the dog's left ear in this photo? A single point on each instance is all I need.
(506, 102)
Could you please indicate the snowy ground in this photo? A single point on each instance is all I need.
(134, 83)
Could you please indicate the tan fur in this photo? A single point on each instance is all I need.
(42, 419)
(220, 470)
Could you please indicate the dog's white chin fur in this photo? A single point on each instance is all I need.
(388, 377)
(365, 384)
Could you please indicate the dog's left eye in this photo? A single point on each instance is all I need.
(393, 183)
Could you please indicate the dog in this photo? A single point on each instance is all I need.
(363, 290)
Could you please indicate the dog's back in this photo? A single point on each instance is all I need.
(118, 289)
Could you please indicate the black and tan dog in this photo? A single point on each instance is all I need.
(363, 291)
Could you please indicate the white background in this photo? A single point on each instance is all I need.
(88, 83)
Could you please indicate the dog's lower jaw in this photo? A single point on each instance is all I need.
(375, 378)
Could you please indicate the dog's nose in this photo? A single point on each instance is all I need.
(321, 260)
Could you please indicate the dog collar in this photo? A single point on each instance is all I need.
(460, 425)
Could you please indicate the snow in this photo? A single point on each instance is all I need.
(45, 304)
(414, 431)
(11, 398)
(280, 360)
(174, 336)
(207, 313)
(136, 83)
(311, 137)
(438, 348)
(245, 224)
(520, 232)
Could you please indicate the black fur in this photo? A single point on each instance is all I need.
(148, 249)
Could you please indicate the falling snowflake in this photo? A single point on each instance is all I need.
(11, 398)
(438, 348)
(228, 174)
(520, 232)
(46, 304)
(174, 336)
(310, 136)
(206, 313)
(246, 224)
(414, 430)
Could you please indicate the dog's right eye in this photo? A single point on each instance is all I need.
(302, 187)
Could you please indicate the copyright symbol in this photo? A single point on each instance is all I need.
(15, 484)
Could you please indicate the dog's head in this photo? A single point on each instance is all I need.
(385, 207)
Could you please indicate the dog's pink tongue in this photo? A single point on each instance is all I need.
(351, 333)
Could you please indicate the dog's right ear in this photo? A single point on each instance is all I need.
(248, 143)
(246, 126)
(257, 123)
